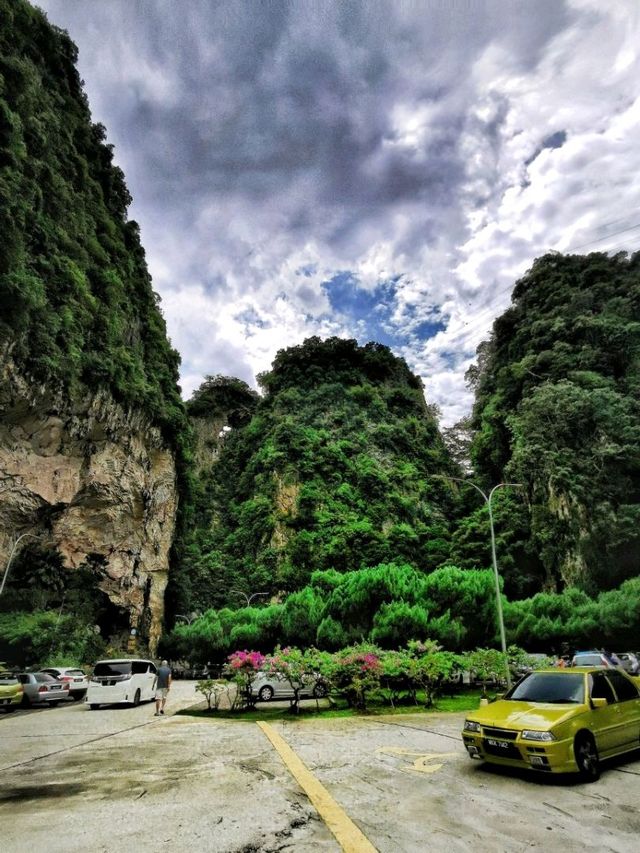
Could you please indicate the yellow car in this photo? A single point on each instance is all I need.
(10, 691)
(559, 721)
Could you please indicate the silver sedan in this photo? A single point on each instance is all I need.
(40, 688)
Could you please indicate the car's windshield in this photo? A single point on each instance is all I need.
(43, 676)
(113, 669)
(588, 660)
(557, 688)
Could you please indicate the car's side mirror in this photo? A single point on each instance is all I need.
(599, 703)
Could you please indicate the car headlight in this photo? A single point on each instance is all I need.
(528, 734)
(471, 726)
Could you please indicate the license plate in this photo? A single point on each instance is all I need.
(503, 744)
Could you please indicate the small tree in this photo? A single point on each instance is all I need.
(430, 667)
(295, 667)
(488, 666)
(212, 690)
(396, 675)
(521, 662)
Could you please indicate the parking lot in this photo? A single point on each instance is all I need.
(122, 779)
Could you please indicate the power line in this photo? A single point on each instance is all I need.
(601, 239)
(481, 320)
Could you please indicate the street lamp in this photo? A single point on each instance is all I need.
(248, 598)
(13, 551)
(487, 500)
(188, 619)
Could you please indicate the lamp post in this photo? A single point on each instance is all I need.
(13, 551)
(248, 598)
(487, 500)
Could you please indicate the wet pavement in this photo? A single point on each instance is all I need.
(122, 779)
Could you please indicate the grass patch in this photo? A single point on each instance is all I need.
(467, 701)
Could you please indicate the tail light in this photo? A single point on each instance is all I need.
(43, 689)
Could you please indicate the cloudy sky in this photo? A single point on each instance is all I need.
(375, 169)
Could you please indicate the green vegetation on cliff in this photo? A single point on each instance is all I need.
(325, 492)
(558, 409)
(327, 497)
(78, 307)
(78, 313)
(332, 472)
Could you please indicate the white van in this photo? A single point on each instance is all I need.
(114, 681)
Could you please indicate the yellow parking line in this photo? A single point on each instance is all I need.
(347, 834)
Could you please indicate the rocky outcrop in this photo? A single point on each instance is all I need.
(286, 509)
(94, 481)
(208, 434)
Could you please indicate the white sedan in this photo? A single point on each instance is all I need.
(75, 678)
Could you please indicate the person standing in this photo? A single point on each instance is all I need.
(163, 685)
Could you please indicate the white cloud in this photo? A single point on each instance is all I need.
(395, 141)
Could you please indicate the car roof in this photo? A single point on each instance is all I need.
(123, 660)
(561, 670)
(61, 669)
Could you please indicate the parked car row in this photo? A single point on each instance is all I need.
(627, 661)
(48, 686)
(30, 688)
(112, 682)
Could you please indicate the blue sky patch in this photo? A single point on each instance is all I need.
(370, 311)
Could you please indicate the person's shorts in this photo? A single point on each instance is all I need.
(162, 692)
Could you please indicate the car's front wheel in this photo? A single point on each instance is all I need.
(587, 759)
(265, 693)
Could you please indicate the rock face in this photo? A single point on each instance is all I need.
(93, 481)
(208, 436)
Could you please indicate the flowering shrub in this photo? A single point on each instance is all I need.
(429, 667)
(245, 662)
(242, 668)
(354, 671)
(298, 668)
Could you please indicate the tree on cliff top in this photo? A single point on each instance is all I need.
(223, 395)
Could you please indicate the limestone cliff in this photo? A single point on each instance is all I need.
(90, 479)
(208, 435)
